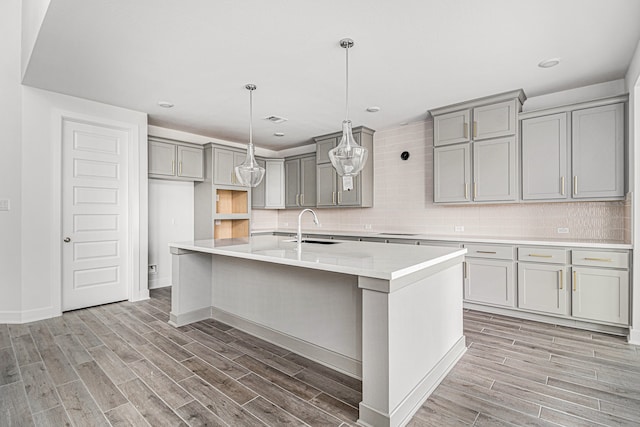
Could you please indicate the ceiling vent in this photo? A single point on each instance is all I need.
(275, 119)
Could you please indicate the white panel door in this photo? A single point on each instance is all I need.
(94, 215)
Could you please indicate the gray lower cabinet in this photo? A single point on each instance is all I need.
(175, 160)
(543, 288)
(489, 275)
(225, 160)
(600, 294)
(574, 152)
(300, 181)
(545, 155)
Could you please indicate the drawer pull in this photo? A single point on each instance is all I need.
(561, 280)
(486, 252)
(540, 256)
(575, 280)
(597, 259)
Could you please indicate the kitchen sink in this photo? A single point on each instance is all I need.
(318, 242)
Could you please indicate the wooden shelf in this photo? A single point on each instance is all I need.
(230, 228)
(232, 202)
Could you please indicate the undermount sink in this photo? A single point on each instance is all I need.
(318, 242)
(398, 234)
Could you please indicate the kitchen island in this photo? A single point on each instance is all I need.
(390, 315)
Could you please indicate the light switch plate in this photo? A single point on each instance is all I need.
(4, 205)
(458, 228)
(563, 230)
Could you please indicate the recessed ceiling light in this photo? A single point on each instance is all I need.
(165, 104)
(373, 109)
(278, 134)
(548, 63)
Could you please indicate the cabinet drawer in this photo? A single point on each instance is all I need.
(548, 255)
(490, 251)
(600, 258)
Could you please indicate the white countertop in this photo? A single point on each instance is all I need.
(366, 259)
(578, 243)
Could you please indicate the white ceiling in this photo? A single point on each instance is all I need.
(409, 56)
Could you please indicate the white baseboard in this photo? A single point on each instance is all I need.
(634, 336)
(190, 317)
(402, 414)
(17, 317)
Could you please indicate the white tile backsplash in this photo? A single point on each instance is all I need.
(403, 202)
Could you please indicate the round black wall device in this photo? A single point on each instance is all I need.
(404, 155)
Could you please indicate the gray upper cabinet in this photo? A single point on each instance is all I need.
(452, 173)
(598, 152)
(451, 128)
(225, 160)
(476, 150)
(329, 186)
(494, 170)
(495, 120)
(545, 157)
(574, 152)
(300, 181)
(175, 160)
(258, 194)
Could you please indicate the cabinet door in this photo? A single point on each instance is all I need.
(598, 152)
(322, 149)
(223, 166)
(308, 182)
(600, 294)
(190, 161)
(351, 197)
(489, 281)
(495, 120)
(451, 128)
(543, 287)
(292, 183)
(544, 158)
(274, 191)
(162, 158)
(326, 185)
(258, 193)
(494, 170)
(452, 173)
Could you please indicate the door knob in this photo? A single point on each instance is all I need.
(67, 240)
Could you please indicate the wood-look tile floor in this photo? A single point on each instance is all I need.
(121, 364)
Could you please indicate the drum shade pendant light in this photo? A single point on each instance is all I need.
(348, 158)
(250, 173)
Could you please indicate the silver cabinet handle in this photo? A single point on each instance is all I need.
(598, 259)
(333, 197)
(575, 184)
(540, 256)
(466, 191)
(475, 129)
(562, 185)
(465, 269)
(173, 167)
(179, 168)
(339, 197)
(465, 128)
(475, 190)
(301, 199)
(575, 281)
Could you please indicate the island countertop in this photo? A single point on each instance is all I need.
(366, 259)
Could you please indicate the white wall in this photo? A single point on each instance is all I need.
(10, 155)
(632, 81)
(170, 220)
(40, 207)
(33, 13)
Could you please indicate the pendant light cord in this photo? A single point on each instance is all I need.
(347, 85)
(250, 117)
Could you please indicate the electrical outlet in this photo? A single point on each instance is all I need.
(153, 269)
(563, 230)
(367, 226)
(4, 205)
(458, 228)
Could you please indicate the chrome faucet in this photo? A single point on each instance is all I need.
(315, 221)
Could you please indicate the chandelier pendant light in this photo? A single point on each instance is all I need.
(348, 158)
(250, 173)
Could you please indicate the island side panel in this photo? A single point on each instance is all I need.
(190, 287)
(411, 338)
(314, 313)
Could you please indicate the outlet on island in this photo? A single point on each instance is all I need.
(458, 228)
